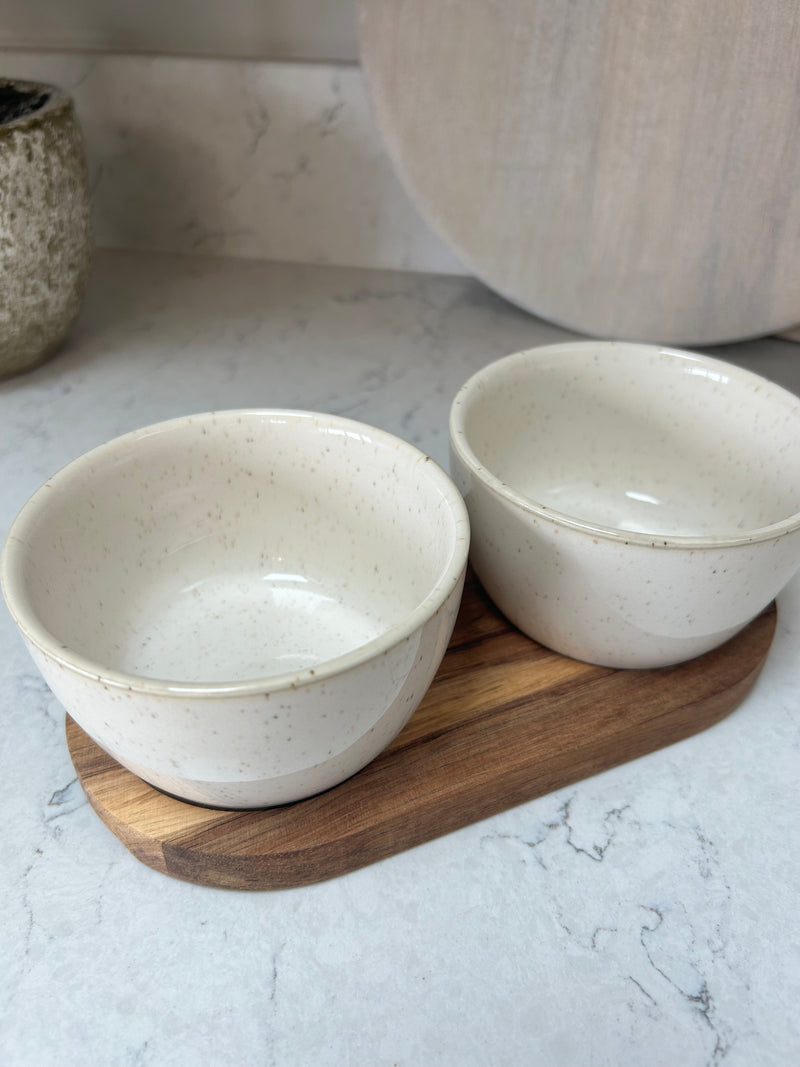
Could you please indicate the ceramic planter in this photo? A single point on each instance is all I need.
(45, 240)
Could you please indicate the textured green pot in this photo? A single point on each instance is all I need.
(45, 235)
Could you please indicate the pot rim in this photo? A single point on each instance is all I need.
(57, 100)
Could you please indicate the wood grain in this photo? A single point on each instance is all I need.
(624, 168)
(504, 721)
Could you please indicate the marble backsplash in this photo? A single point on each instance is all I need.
(261, 160)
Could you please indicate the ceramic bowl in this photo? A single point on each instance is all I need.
(243, 608)
(630, 505)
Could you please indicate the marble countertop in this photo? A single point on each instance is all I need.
(646, 916)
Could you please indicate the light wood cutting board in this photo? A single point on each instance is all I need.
(626, 168)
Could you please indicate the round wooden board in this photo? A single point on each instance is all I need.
(504, 721)
(624, 168)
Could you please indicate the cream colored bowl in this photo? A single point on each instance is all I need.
(630, 505)
(243, 608)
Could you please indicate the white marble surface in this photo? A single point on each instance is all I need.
(267, 160)
(647, 916)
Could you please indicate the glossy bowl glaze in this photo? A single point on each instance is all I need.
(630, 505)
(245, 607)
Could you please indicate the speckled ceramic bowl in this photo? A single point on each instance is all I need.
(630, 505)
(243, 608)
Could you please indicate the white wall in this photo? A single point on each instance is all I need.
(229, 127)
(245, 158)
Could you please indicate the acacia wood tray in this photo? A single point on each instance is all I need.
(505, 721)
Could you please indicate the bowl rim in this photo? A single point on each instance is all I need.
(13, 552)
(460, 445)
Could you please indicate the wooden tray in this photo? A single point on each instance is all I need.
(504, 721)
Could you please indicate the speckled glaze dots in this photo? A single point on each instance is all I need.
(630, 505)
(243, 607)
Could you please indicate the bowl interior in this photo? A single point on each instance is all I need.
(235, 546)
(637, 438)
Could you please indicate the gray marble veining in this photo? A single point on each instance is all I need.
(646, 916)
(265, 160)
